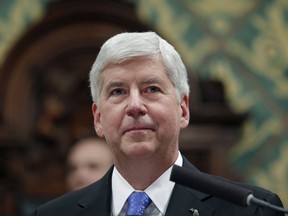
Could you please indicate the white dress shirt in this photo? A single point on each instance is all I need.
(159, 192)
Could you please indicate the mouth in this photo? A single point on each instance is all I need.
(138, 129)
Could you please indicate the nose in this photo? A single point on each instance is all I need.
(136, 106)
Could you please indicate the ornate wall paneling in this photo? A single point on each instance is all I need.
(213, 128)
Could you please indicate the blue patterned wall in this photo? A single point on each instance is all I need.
(15, 17)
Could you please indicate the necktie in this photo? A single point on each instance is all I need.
(137, 203)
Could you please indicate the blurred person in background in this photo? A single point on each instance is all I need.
(87, 161)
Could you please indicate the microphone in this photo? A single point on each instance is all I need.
(218, 187)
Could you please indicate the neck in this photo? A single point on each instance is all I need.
(141, 173)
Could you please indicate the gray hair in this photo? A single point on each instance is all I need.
(126, 46)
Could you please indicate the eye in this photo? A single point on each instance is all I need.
(118, 91)
(152, 89)
(93, 166)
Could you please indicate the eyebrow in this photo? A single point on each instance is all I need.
(154, 80)
(112, 84)
(115, 84)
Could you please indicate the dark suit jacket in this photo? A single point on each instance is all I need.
(95, 200)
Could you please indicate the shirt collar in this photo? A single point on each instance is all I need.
(159, 191)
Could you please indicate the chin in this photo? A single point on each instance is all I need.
(140, 151)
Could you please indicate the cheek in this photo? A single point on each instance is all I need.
(110, 120)
(170, 121)
(170, 112)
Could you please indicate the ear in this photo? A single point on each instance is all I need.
(185, 111)
(97, 120)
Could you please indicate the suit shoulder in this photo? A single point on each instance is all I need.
(61, 204)
(262, 194)
(72, 202)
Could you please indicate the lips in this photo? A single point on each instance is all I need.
(137, 128)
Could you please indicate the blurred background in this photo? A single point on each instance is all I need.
(236, 54)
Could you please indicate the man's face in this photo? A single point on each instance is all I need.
(138, 112)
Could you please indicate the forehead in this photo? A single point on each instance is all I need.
(140, 66)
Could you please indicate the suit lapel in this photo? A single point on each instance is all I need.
(183, 199)
(97, 201)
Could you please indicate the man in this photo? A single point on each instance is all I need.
(141, 95)
(87, 161)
